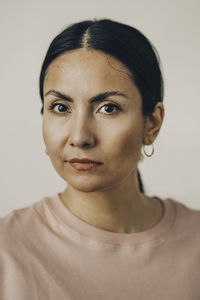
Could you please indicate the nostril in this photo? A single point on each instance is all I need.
(87, 145)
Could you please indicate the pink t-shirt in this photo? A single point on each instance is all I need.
(46, 252)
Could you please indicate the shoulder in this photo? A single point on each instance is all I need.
(10, 226)
(183, 210)
(20, 223)
(186, 221)
(15, 217)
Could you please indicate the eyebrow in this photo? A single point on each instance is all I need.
(97, 98)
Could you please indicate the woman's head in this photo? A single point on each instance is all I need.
(111, 81)
(121, 41)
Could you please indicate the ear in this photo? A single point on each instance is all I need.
(153, 124)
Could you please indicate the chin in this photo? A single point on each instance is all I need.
(85, 187)
(93, 185)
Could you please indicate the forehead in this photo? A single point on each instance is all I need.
(87, 64)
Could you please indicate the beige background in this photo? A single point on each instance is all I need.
(28, 27)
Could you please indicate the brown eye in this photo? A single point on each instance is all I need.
(110, 107)
(61, 108)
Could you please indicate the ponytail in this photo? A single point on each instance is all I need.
(140, 182)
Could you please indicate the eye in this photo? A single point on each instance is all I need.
(61, 108)
(110, 107)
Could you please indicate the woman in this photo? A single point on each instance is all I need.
(102, 237)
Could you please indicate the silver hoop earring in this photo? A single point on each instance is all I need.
(152, 152)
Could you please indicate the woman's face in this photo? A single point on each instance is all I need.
(109, 130)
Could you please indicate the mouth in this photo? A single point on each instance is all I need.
(84, 160)
(84, 166)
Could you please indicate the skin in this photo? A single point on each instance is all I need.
(106, 197)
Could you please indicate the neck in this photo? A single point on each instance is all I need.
(121, 209)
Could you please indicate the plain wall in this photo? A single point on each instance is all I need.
(28, 27)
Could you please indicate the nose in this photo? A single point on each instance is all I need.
(82, 132)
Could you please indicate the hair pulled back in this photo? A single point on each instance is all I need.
(125, 43)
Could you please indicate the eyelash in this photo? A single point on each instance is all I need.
(52, 106)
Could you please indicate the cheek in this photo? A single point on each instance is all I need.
(124, 142)
(130, 147)
(52, 136)
(53, 142)
(130, 143)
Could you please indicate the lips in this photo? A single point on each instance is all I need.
(84, 164)
(83, 160)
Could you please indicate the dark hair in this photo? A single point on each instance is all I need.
(121, 41)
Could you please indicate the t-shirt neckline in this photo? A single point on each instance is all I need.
(156, 232)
